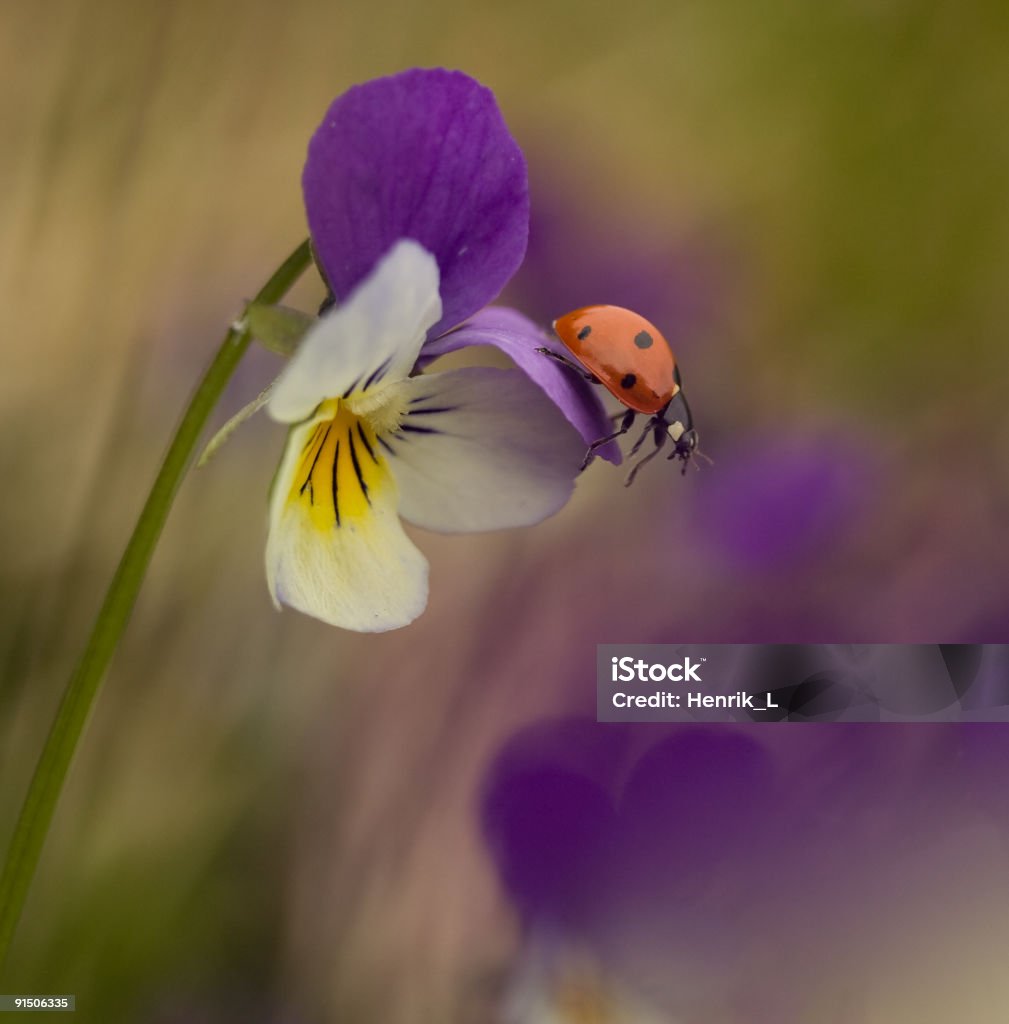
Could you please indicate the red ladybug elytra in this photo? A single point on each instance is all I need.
(628, 355)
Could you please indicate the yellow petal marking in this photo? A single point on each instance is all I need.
(341, 469)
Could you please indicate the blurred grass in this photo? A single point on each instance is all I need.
(268, 809)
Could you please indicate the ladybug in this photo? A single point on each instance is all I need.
(628, 355)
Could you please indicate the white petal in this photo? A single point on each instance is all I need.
(482, 449)
(336, 548)
(370, 340)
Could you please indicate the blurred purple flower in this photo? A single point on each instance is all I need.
(688, 866)
(426, 155)
(778, 499)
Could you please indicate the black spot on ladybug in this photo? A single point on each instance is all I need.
(643, 339)
(628, 381)
(584, 332)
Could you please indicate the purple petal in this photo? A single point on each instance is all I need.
(548, 829)
(518, 337)
(547, 815)
(425, 155)
(696, 798)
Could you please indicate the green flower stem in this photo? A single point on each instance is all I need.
(79, 696)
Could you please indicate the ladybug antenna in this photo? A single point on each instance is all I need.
(688, 456)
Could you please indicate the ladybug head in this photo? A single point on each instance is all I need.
(684, 439)
(680, 428)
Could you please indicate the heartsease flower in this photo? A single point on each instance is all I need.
(417, 202)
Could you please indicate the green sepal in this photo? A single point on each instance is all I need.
(278, 328)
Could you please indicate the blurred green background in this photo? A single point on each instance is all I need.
(273, 820)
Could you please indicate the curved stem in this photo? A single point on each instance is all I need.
(51, 771)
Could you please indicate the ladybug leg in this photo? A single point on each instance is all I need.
(625, 424)
(557, 357)
(660, 435)
(644, 437)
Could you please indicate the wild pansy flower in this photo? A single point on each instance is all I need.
(417, 203)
